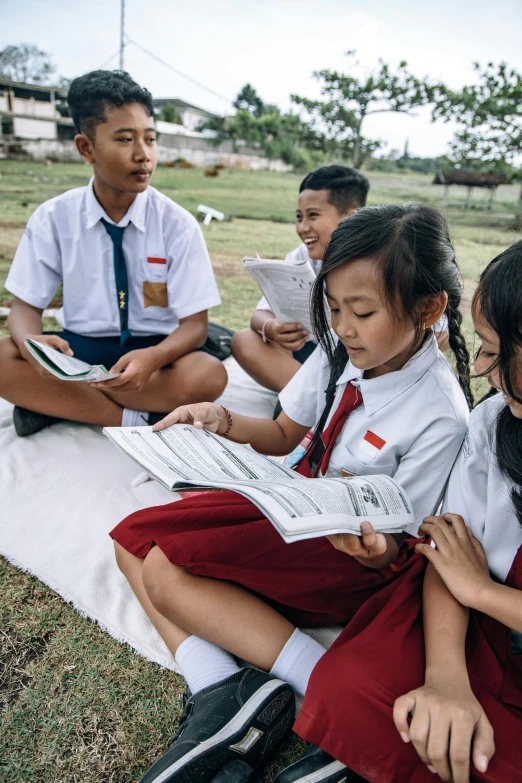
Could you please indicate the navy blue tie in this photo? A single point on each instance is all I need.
(120, 273)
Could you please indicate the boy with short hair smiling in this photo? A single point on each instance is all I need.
(137, 279)
(272, 352)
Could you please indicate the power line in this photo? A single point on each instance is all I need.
(177, 71)
(122, 33)
(106, 63)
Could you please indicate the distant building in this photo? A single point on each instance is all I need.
(192, 116)
(29, 111)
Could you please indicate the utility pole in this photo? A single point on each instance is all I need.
(122, 33)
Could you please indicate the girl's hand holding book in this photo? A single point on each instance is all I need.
(203, 415)
(458, 558)
(375, 550)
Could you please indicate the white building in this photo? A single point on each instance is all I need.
(192, 116)
(28, 111)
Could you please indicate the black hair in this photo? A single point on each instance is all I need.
(92, 94)
(347, 188)
(499, 298)
(412, 244)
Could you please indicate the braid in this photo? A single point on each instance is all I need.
(337, 365)
(461, 353)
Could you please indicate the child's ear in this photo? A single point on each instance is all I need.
(349, 213)
(434, 308)
(85, 147)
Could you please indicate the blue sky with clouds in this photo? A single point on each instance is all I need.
(275, 45)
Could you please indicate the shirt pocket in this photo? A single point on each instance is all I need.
(352, 464)
(156, 269)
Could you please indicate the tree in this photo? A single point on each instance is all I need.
(26, 63)
(169, 113)
(248, 100)
(339, 120)
(490, 113)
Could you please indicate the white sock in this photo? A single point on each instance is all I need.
(134, 418)
(202, 663)
(297, 660)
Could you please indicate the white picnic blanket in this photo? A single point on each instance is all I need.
(63, 489)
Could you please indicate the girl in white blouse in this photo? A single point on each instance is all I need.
(213, 574)
(455, 655)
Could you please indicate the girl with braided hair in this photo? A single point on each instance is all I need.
(449, 672)
(212, 573)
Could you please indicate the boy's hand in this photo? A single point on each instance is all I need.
(203, 415)
(53, 341)
(291, 337)
(375, 550)
(448, 727)
(458, 559)
(136, 366)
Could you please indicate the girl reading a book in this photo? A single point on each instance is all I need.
(459, 711)
(212, 573)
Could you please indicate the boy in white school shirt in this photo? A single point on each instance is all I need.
(272, 352)
(137, 279)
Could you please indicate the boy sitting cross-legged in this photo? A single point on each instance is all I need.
(137, 279)
(272, 352)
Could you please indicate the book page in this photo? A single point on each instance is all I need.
(324, 506)
(67, 367)
(182, 456)
(287, 288)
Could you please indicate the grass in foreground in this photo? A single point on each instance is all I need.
(75, 705)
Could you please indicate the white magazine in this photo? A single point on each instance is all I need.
(182, 457)
(67, 368)
(286, 285)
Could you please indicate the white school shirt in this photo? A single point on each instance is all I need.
(481, 495)
(65, 241)
(410, 424)
(299, 254)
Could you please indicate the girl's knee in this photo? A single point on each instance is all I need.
(161, 580)
(125, 559)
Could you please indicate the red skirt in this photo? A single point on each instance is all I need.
(348, 707)
(224, 536)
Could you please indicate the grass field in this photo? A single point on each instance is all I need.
(76, 706)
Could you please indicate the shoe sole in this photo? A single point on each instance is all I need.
(254, 743)
(333, 773)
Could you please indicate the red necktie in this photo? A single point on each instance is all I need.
(320, 455)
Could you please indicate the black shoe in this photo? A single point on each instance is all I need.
(238, 772)
(316, 766)
(247, 715)
(28, 422)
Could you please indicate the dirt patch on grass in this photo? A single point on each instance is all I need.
(10, 236)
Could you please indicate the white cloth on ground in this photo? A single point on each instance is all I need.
(64, 489)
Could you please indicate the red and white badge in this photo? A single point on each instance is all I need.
(372, 444)
(156, 260)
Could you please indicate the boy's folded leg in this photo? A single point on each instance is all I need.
(318, 767)
(245, 716)
(28, 422)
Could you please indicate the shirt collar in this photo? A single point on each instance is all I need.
(135, 214)
(378, 392)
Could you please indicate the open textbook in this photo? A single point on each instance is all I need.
(287, 286)
(67, 367)
(182, 457)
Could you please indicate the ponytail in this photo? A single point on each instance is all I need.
(458, 346)
(337, 365)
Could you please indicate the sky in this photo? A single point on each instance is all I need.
(275, 45)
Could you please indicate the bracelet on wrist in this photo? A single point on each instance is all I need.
(263, 329)
(229, 424)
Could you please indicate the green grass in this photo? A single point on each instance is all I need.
(75, 705)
